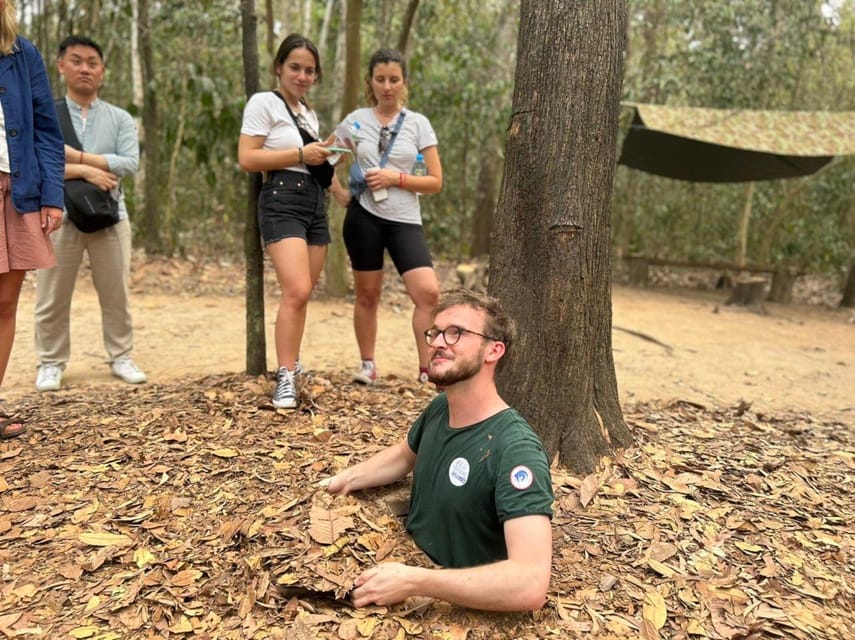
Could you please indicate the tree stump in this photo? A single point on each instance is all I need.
(473, 276)
(848, 299)
(748, 292)
(781, 289)
(637, 268)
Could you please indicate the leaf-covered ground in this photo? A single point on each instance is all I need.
(189, 510)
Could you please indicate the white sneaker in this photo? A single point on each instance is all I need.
(125, 369)
(285, 395)
(49, 377)
(367, 373)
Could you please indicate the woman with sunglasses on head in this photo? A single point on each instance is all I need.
(383, 205)
(279, 136)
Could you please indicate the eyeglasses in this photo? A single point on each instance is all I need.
(452, 334)
(383, 140)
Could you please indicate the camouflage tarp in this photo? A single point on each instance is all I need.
(733, 145)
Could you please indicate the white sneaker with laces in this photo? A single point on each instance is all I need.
(125, 369)
(49, 377)
(285, 394)
(367, 374)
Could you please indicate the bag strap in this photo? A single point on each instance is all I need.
(392, 138)
(303, 133)
(64, 117)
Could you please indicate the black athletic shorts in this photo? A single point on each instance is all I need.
(293, 205)
(366, 236)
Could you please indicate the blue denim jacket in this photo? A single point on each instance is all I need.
(36, 148)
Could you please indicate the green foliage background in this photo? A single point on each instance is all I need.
(769, 54)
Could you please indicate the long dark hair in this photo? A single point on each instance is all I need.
(296, 41)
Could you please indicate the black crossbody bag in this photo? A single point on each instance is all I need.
(322, 173)
(89, 207)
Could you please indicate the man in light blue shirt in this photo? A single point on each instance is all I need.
(108, 137)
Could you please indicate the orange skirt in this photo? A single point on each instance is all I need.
(23, 243)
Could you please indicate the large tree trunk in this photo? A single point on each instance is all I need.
(335, 269)
(256, 343)
(550, 262)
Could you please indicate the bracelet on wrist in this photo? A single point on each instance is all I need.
(300, 155)
(401, 180)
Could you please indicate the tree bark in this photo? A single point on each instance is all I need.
(485, 199)
(139, 100)
(150, 143)
(407, 25)
(335, 269)
(269, 20)
(742, 232)
(848, 299)
(551, 259)
(256, 343)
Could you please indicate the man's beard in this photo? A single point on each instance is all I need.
(459, 370)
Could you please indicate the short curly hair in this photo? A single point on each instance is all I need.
(498, 324)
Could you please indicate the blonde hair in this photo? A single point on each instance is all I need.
(8, 27)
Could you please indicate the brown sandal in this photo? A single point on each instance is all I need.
(7, 425)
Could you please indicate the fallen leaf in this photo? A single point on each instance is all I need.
(226, 453)
(654, 610)
(326, 525)
(102, 539)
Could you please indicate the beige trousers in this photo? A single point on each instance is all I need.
(110, 259)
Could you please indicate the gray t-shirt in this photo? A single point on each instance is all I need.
(415, 136)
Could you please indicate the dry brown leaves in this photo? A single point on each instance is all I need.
(190, 511)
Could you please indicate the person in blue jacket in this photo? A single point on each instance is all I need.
(32, 165)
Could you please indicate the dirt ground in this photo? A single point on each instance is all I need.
(189, 507)
(668, 343)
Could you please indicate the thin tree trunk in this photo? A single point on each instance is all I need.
(256, 343)
(268, 24)
(490, 152)
(848, 299)
(485, 198)
(335, 269)
(407, 25)
(325, 28)
(151, 147)
(742, 232)
(168, 223)
(793, 189)
(139, 99)
(551, 253)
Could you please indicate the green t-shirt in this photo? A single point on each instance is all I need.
(468, 481)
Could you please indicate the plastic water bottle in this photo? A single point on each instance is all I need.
(354, 134)
(419, 166)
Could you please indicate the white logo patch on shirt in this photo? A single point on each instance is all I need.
(458, 471)
(521, 477)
